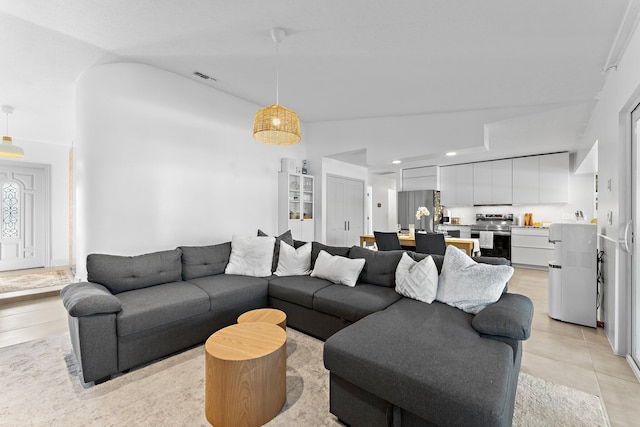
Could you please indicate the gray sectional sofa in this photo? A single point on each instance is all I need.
(392, 360)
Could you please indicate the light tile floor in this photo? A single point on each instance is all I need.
(576, 356)
(559, 352)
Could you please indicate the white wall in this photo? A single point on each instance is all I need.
(385, 217)
(57, 156)
(162, 161)
(610, 126)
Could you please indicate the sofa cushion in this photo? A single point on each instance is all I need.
(230, 290)
(284, 237)
(509, 317)
(297, 289)
(338, 269)
(147, 308)
(251, 256)
(380, 266)
(428, 360)
(200, 261)
(468, 285)
(354, 303)
(126, 273)
(316, 247)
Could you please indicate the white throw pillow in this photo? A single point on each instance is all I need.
(337, 269)
(251, 256)
(468, 285)
(294, 262)
(417, 280)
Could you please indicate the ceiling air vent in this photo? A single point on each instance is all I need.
(203, 76)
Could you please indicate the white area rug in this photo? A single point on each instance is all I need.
(40, 387)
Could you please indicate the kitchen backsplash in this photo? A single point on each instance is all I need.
(541, 213)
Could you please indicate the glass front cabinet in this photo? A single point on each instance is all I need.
(295, 205)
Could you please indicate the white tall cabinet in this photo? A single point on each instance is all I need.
(296, 205)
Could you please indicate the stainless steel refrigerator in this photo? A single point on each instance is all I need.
(410, 201)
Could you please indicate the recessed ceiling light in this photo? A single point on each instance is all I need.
(396, 162)
(451, 153)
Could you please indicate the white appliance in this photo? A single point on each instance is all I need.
(572, 273)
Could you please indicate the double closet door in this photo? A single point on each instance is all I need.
(345, 211)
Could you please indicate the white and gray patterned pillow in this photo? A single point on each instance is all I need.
(417, 280)
(468, 285)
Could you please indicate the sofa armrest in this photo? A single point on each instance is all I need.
(510, 317)
(86, 299)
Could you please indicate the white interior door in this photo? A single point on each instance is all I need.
(629, 237)
(355, 211)
(345, 211)
(336, 221)
(23, 216)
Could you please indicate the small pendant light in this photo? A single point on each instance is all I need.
(276, 124)
(7, 149)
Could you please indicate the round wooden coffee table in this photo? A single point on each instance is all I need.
(265, 315)
(245, 374)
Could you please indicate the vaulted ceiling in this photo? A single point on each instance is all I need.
(341, 60)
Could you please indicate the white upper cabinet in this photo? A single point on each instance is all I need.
(482, 183)
(554, 178)
(456, 185)
(502, 182)
(423, 178)
(541, 179)
(492, 182)
(526, 180)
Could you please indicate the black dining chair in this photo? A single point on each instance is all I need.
(387, 241)
(430, 243)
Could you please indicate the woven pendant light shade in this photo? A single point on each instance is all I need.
(276, 125)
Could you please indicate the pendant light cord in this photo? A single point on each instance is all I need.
(277, 73)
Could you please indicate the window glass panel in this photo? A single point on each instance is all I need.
(10, 210)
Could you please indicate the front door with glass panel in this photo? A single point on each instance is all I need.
(23, 216)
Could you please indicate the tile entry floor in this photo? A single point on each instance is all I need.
(559, 352)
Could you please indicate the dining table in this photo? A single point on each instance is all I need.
(470, 246)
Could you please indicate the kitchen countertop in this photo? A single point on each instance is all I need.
(529, 226)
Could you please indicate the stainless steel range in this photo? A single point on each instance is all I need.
(494, 232)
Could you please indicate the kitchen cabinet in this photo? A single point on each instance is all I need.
(423, 178)
(541, 179)
(554, 178)
(296, 205)
(456, 185)
(530, 247)
(492, 182)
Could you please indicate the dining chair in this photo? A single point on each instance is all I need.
(430, 243)
(387, 241)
